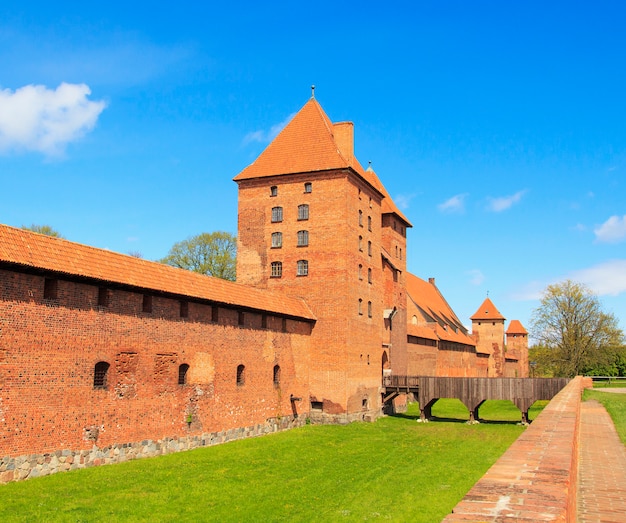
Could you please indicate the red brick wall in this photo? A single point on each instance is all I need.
(48, 350)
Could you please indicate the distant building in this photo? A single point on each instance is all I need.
(106, 357)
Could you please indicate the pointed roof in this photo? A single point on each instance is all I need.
(487, 311)
(310, 142)
(45, 253)
(515, 327)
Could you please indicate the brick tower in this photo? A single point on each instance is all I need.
(517, 343)
(488, 332)
(314, 224)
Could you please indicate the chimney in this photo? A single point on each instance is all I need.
(344, 138)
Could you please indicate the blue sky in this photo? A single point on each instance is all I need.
(499, 128)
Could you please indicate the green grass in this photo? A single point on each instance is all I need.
(393, 470)
(615, 404)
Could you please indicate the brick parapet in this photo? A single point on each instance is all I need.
(535, 480)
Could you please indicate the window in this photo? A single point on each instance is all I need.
(369, 248)
(308, 187)
(277, 376)
(147, 303)
(361, 243)
(273, 190)
(277, 214)
(182, 374)
(360, 271)
(303, 212)
(360, 307)
(369, 275)
(103, 297)
(303, 268)
(360, 218)
(241, 375)
(369, 309)
(277, 269)
(100, 372)
(184, 309)
(50, 289)
(303, 238)
(277, 240)
(400, 252)
(369, 223)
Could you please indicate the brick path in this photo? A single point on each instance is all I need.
(601, 468)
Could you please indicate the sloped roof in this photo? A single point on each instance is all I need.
(388, 206)
(421, 332)
(37, 251)
(426, 296)
(309, 143)
(487, 311)
(516, 327)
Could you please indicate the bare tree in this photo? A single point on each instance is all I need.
(571, 323)
(213, 254)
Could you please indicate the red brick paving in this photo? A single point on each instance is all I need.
(601, 468)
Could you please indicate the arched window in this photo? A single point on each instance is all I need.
(360, 271)
(277, 214)
(303, 238)
(369, 275)
(303, 268)
(182, 374)
(276, 376)
(241, 375)
(303, 212)
(369, 248)
(360, 306)
(369, 223)
(277, 269)
(369, 309)
(277, 240)
(100, 373)
(360, 218)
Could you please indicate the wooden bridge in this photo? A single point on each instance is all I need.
(472, 392)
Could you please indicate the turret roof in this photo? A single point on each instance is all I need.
(515, 327)
(487, 311)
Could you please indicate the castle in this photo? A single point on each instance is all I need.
(106, 357)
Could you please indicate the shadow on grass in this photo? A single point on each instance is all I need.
(401, 415)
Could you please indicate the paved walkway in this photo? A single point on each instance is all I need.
(601, 468)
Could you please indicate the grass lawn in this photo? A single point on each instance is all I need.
(615, 404)
(393, 470)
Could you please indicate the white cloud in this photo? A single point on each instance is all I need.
(456, 204)
(505, 202)
(476, 277)
(612, 231)
(266, 136)
(403, 201)
(35, 118)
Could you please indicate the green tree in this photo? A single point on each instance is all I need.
(571, 323)
(42, 229)
(213, 254)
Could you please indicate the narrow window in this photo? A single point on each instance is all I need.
(369, 275)
(360, 307)
(182, 374)
(147, 303)
(184, 309)
(215, 313)
(303, 268)
(241, 375)
(369, 248)
(103, 297)
(308, 187)
(303, 212)
(400, 252)
(240, 318)
(360, 271)
(360, 218)
(276, 376)
(100, 372)
(50, 289)
(303, 238)
(369, 309)
(369, 223)
(277, 214)
(277, 269)
(361, 243)
(277, 240)
(273, 190)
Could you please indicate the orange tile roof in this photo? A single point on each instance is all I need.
(487, 311)
(516, 327)
(426, 296)
(29, 249)
(308, 143)
(421, 332)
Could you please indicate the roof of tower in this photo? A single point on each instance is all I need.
(311, 142)
(487, 311)
(45, 253)
(515, 327)
(388, 206)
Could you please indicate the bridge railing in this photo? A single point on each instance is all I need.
(400, 381)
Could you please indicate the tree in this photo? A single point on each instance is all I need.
(42, 229)
(571, 323)
(213, 254)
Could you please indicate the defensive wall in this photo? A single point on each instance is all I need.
(536, 479)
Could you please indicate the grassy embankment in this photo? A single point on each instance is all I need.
(615, 404)
(391, 470)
